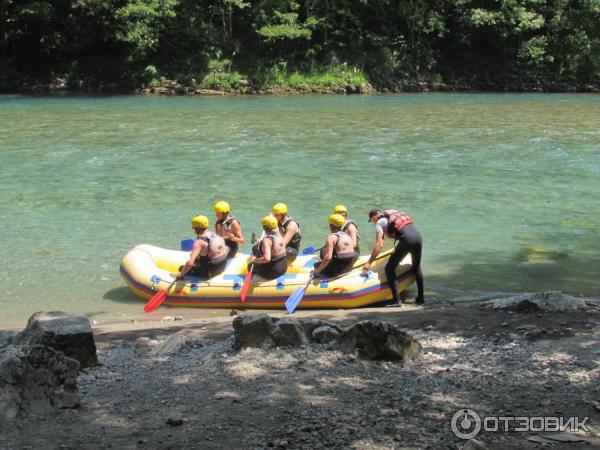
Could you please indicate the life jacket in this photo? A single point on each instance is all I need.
(210, 239)
(295, 241)
(227, 222)
(257, 249)
(339, 235)
(397, 221)
(345, 229)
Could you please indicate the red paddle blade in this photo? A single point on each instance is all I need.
(246, 286)
(155, 301)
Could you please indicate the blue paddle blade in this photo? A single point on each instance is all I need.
(293, 300)
(308, 251)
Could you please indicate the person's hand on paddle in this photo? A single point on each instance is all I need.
(366, 267)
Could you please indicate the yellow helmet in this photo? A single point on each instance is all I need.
(221, 207)
(339, 209)
(200, 222)
(269, 221)
(337, 220)
(279, 208)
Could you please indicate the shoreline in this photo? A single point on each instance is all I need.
(206, 394)
(174, 88)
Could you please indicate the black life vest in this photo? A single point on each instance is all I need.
(227, 222)
(295, 241)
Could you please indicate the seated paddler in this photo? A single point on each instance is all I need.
(269, 252)
(289, 229)
(338, 255)
(228, 227)
(209, 252)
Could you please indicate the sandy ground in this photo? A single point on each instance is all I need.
(204, 395)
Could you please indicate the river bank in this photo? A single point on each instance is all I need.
(411, 85)
(204, 393)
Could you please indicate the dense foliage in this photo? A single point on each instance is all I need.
(490, 44)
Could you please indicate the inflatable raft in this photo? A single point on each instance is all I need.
(148, 269)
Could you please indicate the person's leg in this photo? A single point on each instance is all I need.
(390, 269)
(415, 254)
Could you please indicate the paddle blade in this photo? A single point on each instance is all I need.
(155, 301)
(246, 286)
(308, 251)
(294, 300)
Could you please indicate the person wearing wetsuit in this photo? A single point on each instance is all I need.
(228, 227)
(337, 256)
(399, 226)
(270, 259)
(289, 229)
(209, 252)
(349, 227)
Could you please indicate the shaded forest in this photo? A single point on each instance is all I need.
(252, 44)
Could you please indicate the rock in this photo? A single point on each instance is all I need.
(64, 332)
(377, 340)
(288, 331)
(172, 344)
(542, 301)
(6, 337)
(325, 334)
(36, 379)
(253, 330)
(174, 422)
(310, 325)
(474, 444)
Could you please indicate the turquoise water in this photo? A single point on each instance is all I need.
(504, 188)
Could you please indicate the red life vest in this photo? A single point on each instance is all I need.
(397, 221)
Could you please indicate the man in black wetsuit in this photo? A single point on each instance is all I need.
(399, 226)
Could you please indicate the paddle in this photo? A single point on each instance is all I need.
(294, 300)
(246, 286)
(158, 298)
(308, 251)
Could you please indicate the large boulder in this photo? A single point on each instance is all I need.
(377, 340)
(288, 332)
(36, 379)
(550, 301)
(68, 333)
(253, 330)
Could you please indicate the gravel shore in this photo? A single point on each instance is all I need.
(178, 384)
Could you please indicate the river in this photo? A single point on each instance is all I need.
(503, 187)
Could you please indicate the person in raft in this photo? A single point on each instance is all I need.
(349, 227)
(228, 227)
(269, 258)
(209, 252)
(289, 229)
(337, 256)
(399, 226)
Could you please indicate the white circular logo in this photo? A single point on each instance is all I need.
(465, 424)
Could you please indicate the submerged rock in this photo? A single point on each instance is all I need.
(68, 333)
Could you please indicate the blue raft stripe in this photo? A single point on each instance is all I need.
(309, 263)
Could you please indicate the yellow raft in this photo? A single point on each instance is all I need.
(148, 269)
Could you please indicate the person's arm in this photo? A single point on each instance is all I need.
(292, 229)
(376, 250)
(266, 257)
(327, 256)
(196, 248)
(235, 234)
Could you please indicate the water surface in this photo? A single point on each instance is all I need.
(504, 188)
